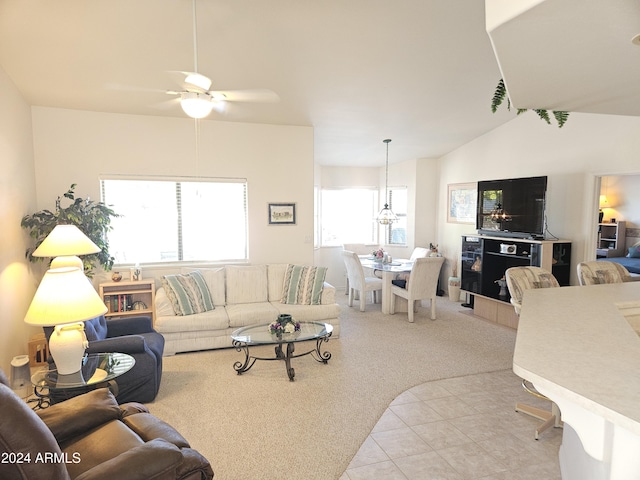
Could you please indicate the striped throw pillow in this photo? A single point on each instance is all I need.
(188, 293)
(303, 285)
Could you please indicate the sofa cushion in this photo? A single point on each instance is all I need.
(246, 284)
(188, 293)
(163, 304)
(303, 285)
(242, 315)
(212, 320)
(214, 278)
(328, 294)
(275, 273)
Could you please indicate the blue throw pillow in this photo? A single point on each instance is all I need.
(634, 252)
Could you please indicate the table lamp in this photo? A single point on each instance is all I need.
(64, 243)
(64, 299)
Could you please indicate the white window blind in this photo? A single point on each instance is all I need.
(174, 220)
(348, 215)
(397, 233)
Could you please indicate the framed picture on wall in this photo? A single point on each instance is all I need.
(282, 214)
(461, 202)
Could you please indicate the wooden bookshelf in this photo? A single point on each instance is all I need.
(127, 298)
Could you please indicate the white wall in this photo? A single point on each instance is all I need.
(572, 157)
(427, 179)
(277, 161)
(18, 280)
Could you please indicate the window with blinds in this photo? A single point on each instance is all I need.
(397, 232)
(348, 215)
(177, 219)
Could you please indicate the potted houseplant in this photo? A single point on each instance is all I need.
(454, 282)
(501, 93)
(92, 218)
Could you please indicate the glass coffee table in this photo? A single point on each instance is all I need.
(98, 370)
(255, 335)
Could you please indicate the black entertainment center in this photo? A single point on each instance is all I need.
(510, 219)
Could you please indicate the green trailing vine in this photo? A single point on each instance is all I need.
(92, 218)
(501, 94)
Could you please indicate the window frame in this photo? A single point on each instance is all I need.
(178, 182)
(373, 190)
(388, 234)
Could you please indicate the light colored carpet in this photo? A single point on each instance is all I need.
(259, 425)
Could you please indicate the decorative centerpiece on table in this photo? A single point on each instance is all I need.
(284, 325)
(381, 256)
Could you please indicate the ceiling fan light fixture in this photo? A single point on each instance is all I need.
(198, 80)
(218, 96)
(195, 104)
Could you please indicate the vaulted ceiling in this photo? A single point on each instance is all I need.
(421, 72)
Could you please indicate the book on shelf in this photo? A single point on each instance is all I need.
(119, 303)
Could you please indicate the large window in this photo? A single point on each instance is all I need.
(174, 220)
(348, 215)
(397, 232)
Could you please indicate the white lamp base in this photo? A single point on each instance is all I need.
(67, 345)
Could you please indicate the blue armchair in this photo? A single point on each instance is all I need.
(134, 336)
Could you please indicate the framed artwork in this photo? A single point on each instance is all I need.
(282, 214)
(461, 202)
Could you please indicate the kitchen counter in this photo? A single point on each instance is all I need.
(579, 348)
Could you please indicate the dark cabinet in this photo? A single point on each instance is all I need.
(485, 260)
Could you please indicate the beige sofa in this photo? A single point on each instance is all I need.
(242, 295)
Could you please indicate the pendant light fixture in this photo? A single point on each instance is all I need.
(499, 215)
(386, 216)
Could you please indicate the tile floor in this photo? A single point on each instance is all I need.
(459, 429)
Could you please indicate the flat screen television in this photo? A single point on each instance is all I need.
(513, 207)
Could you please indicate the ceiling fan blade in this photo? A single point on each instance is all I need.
(190, 80)
(167, 104)
(220, 107)
(256, 95)
(198, 80)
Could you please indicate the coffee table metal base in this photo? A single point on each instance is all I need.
(282, 353)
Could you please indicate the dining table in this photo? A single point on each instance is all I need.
(390, 271)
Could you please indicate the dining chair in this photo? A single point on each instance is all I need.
(358, 282)
(520, 279)
(422, 285)
(358, 249)
(418, 252)
(598, 272)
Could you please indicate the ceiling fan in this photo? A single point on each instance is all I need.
(197, 100)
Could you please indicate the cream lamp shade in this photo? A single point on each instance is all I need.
(63, 297)
(64, 243)
(605, 202)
